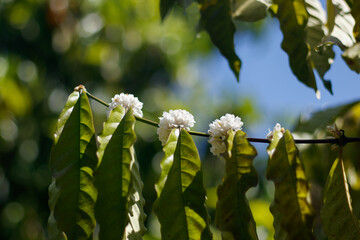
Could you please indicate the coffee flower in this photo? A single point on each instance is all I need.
(219, 131)
(278, 131)
(174, 119)
(127, 101)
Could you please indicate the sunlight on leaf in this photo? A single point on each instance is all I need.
(249, 10)
(338, 219)
(113, 176)
(72, 192)
(181, 205)
(352, 57)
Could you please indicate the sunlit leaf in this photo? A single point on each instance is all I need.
(167, 160)
(73, 160)
(316, 30)
(217, 20)
(181, 205)
(166, 5)
(135, 228)
(343, 24)
(293, 18)
(249, 10)
(323, 118)
(113, 176)
(352, 57)
(338, 219)
(291, 211)
(233, 215)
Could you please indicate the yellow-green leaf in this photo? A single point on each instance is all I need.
(292, 213)
(233, 215)
(113, 176)
(338, 219)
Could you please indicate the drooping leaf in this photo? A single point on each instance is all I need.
(166, 162)
(355, 12)
(217, 20)
(181, 205)
(249, 10)
(113, 176)
(135, 228)
(291, 211)
(73, 160)
(338, 219)
(323, 118)
(293, 18)
(166, 5)
(316, 30)
(233, 215)
(342, 24)
(352, 57)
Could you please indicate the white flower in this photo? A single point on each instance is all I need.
(174, 119)
(278, 130)
(219, 130)
(126, 101)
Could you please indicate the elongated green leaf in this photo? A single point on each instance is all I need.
(217, 20)
(292, 213)
(316, 30)
(338, 219)
(233, 215)
(323, 118)
(293, 19)
(166, 5)
(113, 176)
(166, 162)
(135, 228)
(352, 57)
(249, 10)
(73, 160)
(181, 205)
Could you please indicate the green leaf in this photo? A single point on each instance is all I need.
(233, 215)
(135, 228)
(292, 213)
(343, 24)
(293, 18)
(73, 160)
(181, 205)
(321, 57)
(167, 160)
(352, 57)
(323, 118)
(338, 219)
(217, 20)
(355, 12)
(166, 5)
(249, 10)
(113, 176)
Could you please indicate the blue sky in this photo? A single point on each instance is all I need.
(266, 77)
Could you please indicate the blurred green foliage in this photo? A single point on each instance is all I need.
(49, 47)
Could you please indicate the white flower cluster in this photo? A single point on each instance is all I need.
(278, 130)
(127, 101)
(219, 130)
(174, 119)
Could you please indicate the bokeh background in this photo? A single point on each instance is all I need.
(49, 47)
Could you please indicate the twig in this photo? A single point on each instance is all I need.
(339, 141)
